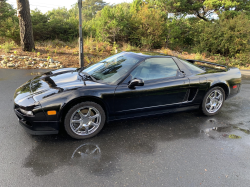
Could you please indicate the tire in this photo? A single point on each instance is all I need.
(84, 120)
(213, 101)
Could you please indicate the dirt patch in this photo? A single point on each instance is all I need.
(40, 58)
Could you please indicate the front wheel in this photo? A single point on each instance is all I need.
(84, 120)
(213, 101)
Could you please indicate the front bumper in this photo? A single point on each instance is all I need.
(37, 127)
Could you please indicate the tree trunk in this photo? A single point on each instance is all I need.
(25, 24)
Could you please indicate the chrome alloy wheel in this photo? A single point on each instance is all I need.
(85, 120)
(214, 101)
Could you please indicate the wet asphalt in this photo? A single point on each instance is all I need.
(182, 149)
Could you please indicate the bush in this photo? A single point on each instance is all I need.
(7, 46)
(111, 24)
(227, 37)
(9, 27)
(180, 33)
(148, 28)
(56, 24)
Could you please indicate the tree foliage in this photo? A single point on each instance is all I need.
(148, 27)
(228, 37)
(89, 8)
(145, 23)
(203, 8)
(9, 27)
(56, 24)
(112, 23)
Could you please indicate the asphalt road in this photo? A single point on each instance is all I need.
(182, 149)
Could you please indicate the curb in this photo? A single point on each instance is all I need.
(245, 72)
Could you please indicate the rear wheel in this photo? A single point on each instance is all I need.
(84, 120)
(213, 101)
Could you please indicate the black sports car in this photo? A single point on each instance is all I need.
(126, 85)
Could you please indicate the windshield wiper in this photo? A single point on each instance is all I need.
(82, 77)
(88, 75)
(79, 70)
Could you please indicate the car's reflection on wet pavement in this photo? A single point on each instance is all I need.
(181, 149)
(136, 138)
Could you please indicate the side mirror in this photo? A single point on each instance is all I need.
(135, 82)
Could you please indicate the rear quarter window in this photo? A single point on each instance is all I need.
(193, 68)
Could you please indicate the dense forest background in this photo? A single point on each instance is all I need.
(178, 25)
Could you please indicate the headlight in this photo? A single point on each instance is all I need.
(28, 113)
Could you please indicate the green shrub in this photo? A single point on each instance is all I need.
(111, 24)
(180, 33)
(7, 46)
(9, 26)
(148, 28)
(56, 24)
(198, 56)
(227, 37)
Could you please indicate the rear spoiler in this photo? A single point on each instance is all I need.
(208, 63)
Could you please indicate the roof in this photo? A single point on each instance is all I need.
(148, 53)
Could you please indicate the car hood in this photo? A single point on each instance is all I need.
(52, 82)
(57, 80)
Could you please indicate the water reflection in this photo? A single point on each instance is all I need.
(89, 156)
(104, 154)
(87, 151)
(52, 84)
(225, 130)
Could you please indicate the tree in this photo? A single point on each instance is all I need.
(9, 22)
(6, 10)
(225, 36)
(148, 27)
(203, 8)
(112, 23)
(63, 23)
(89, 8)
(25, 24)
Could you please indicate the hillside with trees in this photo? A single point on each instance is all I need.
(175, 27)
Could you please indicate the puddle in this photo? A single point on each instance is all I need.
(228, 131)
(216, 132)
(243, 130)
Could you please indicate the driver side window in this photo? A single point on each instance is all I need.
(155, 68)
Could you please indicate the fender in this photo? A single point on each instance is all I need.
(221, 82)
(67, 105)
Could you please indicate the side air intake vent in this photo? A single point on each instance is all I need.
(192, 94)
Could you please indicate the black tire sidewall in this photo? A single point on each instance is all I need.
(203, 106)
(73, 109)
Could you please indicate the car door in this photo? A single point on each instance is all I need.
(162, 91)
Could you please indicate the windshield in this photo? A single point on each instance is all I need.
(112, 69)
